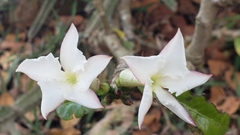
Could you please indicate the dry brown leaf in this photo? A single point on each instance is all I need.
(77, 20)
(217, 67)
(228, 76)
(230, 105)
(30, 114)
(6, 99)
(12, 37)
(141, 132)
(69, 123)
(67, 128)
(148, 119)
(58, 131)
(217, 43)
(179, 21)
(17, 46)
(159, 13)
(214, 53)
(186, 7)
(152, 119)
(26, 12)
(217, 95)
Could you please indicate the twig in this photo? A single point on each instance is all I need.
(110, 39)
(101, 12)
(226, 34)
(203, 29)
(95, 22)
(126, 17)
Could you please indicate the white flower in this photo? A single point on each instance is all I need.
(71, 84)
(165, 71)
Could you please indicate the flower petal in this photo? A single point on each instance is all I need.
(144, 67)
(94, 66)
(52, 96)
(71, 58)
(174, 54)
(172, 104)
(146, 103)
(87, 98)
(180, 85)
(41, 69)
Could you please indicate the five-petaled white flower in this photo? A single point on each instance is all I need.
(71, 84)
(165, 71)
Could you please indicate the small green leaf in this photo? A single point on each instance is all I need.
(237, 45)
(205, 115)
(120, 33)
(66, 110)
(128, 44)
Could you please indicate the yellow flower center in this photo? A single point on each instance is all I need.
(155, 80)
(71, 78)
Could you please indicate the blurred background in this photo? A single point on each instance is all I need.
(33, 28)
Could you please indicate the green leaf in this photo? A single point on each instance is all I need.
(66, 110)
(205, 115)
(128, 44)
(237, 45)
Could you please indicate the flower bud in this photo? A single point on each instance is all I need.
(95, 85)
(127, 79)
(103, 89)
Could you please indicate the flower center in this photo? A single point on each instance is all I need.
(156, 78)
(71, 78)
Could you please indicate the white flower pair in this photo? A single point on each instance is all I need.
(165, 71)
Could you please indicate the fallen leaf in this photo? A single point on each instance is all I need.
(217, 95)
(217, 67)
(25, 12)
(186, 7)
(6, 99)
(214, 53)
(58, 131)
(229, 78)
(141, 132)
(14, 47)
(179, 21)
(152, 120)
(77, 20)
(160, 12)
(30, 114)
(230, 105)
(13, 37)
(67, 124)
